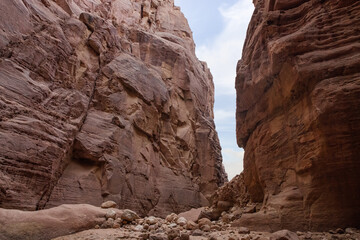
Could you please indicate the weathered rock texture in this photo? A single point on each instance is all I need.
(104, 100)
(50, 223)
(298, 114)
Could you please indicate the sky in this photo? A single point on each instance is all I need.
(219, 30)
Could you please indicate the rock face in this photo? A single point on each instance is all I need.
(298, 114)
(104, 100)
(49, 223)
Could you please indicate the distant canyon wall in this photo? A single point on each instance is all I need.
(104, 100)
(298, 114)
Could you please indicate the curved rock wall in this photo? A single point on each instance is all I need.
(104, 100)
(298, 114)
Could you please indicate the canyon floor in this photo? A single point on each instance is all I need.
(83, 221)
(228, 234)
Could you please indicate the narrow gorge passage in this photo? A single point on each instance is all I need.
(107, 121)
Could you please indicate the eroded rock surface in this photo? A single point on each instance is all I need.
(50, 223)
(298, 99)
(104, 100)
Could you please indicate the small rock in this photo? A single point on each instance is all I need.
(184, 236)
(190, 225)
(116, 225)
(138, 228)
(108, 204)
(215, 228)
(226, 218)
(250, 209)
(340, 231)
(152, 227)
(246, 237)
(110, 214)
(181, 221)
(243, 230)
(232, 237)
(151, 220)
(307, 236)
(284, 235)
(158, 236)
(173, 233)
(129, 215)
(350, 230)
(204, 221)
(197, 232)
(206, 228)
(144, 236)
(139, 221)
(146, 226)
(171, 218)
(108, 223)
(173, 225)
(213, 238)
(97, 227)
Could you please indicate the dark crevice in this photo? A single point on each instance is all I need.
(64, 162)
(142, 11)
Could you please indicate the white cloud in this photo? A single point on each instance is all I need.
(224, 115)
(224, 52)
(220, 34)
(233, 161)
(221, 56)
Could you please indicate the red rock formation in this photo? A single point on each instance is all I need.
(104, 100)
(298, 114)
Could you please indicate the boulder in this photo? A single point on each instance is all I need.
(129, 215)
(50, 223)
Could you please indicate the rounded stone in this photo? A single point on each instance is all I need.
(110, 214)
(108, 204)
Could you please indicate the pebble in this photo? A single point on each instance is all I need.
(110, 214)
(181, 221)
(184, 236)
(243, 230)
(173, 225)
(171, 218)
(139, 228)
(206, 228)
(151, 220)
(173, 233)
(233, 237)
(215, 228)
(144, 236)
(108, 223)
(204, 221)
(197, 232)
(129, 215)
(246, 237)
(108, 204)
(116, 225)
(285, 234)
(158, 236)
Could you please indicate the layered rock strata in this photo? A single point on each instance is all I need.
(298, 114)
(104, 100)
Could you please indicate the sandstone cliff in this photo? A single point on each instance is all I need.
(298, 114)
(104, 100)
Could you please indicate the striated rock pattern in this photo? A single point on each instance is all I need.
(104, 100)
(298, 114)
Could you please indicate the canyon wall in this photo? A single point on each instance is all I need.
(298, 114)
(104, 100)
